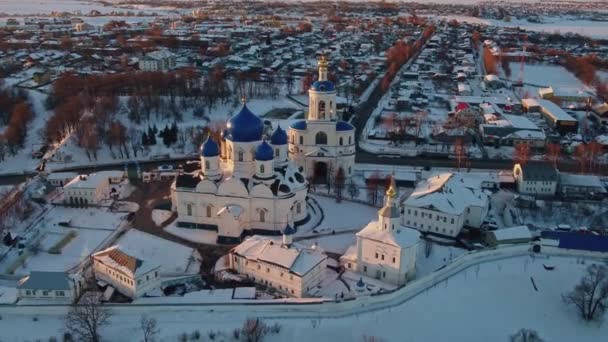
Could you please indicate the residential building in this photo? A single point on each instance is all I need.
(445, 203)
(161, 60)
(557, 118)
(385, 250)
(59, 179)
(510, 130)
(129, 275)
(48, 285)
(536, 178)
(286, 267)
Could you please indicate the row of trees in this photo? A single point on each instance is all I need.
(15, 114)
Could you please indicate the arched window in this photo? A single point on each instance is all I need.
(189, 209)
(276, 152)
(209, 210)
(321, 109)
(262, 169)
(207, 165)
(331, 106)
(349, 170)
(321, 138)
(298, 208)
(241, 154)
(341, 141)
(262, 215)
(350, 141)
(301, 140)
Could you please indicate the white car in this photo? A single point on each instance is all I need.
(165, 168)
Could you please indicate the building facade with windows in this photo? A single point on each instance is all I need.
(129, 275)
(323, 145)
(161, 60)
(286, 267)
(445, 203)
(536, 178)
(245, 185)
(385, 250)
(49, 286)
(91, 189)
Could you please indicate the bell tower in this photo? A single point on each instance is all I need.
(322, 96)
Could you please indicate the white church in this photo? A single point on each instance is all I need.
(385, 250)
(251, 184)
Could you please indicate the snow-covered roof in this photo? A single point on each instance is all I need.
(511, 233)
(450, 193)
(38, 280)
(400, 237)
(93, 180)
(117, 259)
(293, 258)
(61, 175)
(588, 181)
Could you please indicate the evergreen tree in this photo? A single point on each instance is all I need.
(144, 139)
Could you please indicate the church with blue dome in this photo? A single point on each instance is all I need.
(323, 145)
(245, 185)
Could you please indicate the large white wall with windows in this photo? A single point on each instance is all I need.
(288, 268)
(130, 276)
(445, 203)
(323, 144)
(245, 184)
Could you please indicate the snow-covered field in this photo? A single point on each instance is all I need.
(594, 29)
(546, 75)
(486, 302)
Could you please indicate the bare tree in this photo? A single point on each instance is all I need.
(254, 330)
(86, 318)
(526, 335)
(590, 296)
(149, 328)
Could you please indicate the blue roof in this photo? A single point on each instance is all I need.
(299, 125)
(586, 242)
(264, 152)
(210, 148)
(323, 86)
(344, 126)
(245, 126)
(289, 230)
(279, 136)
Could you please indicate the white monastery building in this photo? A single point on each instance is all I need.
(385, 250)
(91, 189)
(288, 268)
(129, 275)
(323, 144)
(445, 203)
(245, 185)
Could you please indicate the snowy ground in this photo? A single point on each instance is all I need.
(91, 226)
(469, 306)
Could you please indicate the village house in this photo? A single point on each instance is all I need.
(57, 286)
(130, 276)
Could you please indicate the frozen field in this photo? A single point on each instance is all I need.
(546, 75)
(470, 306)
(594, 29)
